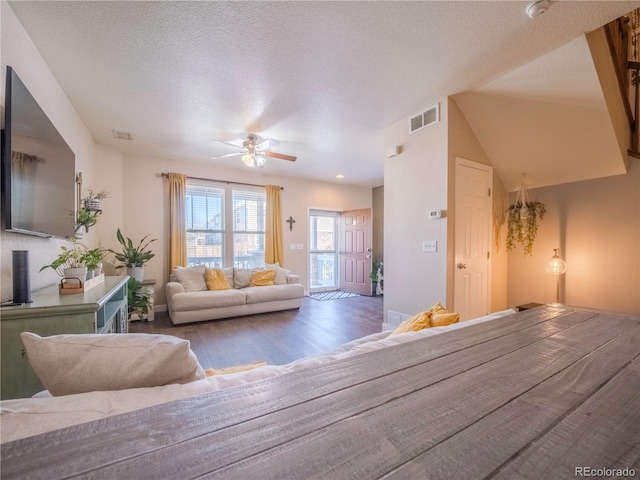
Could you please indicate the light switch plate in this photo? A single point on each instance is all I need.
(429, 246)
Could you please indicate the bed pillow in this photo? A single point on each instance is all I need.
(216, 279)
(262, 278)
(68, 364)
(281, 273)
(191, 278)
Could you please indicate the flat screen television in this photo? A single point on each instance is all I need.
(38, 168)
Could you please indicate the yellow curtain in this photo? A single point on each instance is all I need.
(177, 224)
(273, 232)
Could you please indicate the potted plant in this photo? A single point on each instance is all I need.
(70, 262)
(93, 200)
(376, 271)
(93, 260)
(133, 257)
(138, 300)
(85, 218)
(522, 221)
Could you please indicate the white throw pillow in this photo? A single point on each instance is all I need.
(191, 278)
(242, 277)
(228, 272)
(68, 364)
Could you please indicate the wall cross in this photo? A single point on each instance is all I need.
(291, 221)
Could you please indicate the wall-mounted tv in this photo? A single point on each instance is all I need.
(38, 168)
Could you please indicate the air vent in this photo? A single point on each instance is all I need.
(424, 119)
(122, 135)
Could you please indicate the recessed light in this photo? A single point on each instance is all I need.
(340, 176)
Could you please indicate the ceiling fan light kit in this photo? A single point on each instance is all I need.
(255, 150)
(250, 159)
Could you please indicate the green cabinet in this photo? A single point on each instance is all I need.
(103, 309)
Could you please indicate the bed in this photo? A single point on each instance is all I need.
(551, 392)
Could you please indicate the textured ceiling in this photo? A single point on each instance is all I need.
(324, 78)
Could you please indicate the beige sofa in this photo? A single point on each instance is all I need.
(148, 357)
(190, 300)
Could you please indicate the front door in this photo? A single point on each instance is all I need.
(472, 239)
(355, 251)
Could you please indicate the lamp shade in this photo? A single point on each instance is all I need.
(248, 160)
(556, 265)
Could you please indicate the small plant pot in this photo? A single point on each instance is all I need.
(136, 272)
(92, 204)
(80, 273)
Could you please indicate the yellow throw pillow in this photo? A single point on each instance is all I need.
(216, 279)
(444, 319)
(262, 278)
(210, 372)
(415, 323)
(438, 308)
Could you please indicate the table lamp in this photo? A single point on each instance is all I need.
(556, 266)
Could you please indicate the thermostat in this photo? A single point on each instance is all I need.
(433, 214)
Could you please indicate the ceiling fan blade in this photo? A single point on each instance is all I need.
(281, 156)
(227, 155)
(267, 144)
(227, 143)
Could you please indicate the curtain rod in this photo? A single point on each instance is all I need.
(222, 181)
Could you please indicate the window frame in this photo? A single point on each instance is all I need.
(229, 230)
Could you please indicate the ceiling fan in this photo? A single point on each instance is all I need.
(254, 151)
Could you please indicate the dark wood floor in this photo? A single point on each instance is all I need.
(277, 338)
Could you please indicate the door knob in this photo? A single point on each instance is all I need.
(462, 265)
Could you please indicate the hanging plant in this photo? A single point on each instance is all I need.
(523, 217)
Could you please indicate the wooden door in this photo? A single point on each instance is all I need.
(355, 251)
(473, 214)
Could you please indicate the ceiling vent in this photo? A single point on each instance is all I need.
(424, 119)
(122, 135)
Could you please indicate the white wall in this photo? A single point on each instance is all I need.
(145, 207)
(414, 183)
(596, 224)
(19, 52)
(463, 143)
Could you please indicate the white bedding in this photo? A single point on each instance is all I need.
(25, 417)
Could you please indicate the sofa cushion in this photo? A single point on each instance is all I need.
(185, 302)
(216, 279)
(242, 277)
(68, 364)
(191, 278)
(274, 293)
(262, 278)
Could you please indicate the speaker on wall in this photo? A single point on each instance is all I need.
(21, 284)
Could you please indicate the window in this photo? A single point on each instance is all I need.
(323, 250)
(205, 225)
(248, 228)
(225, 225)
